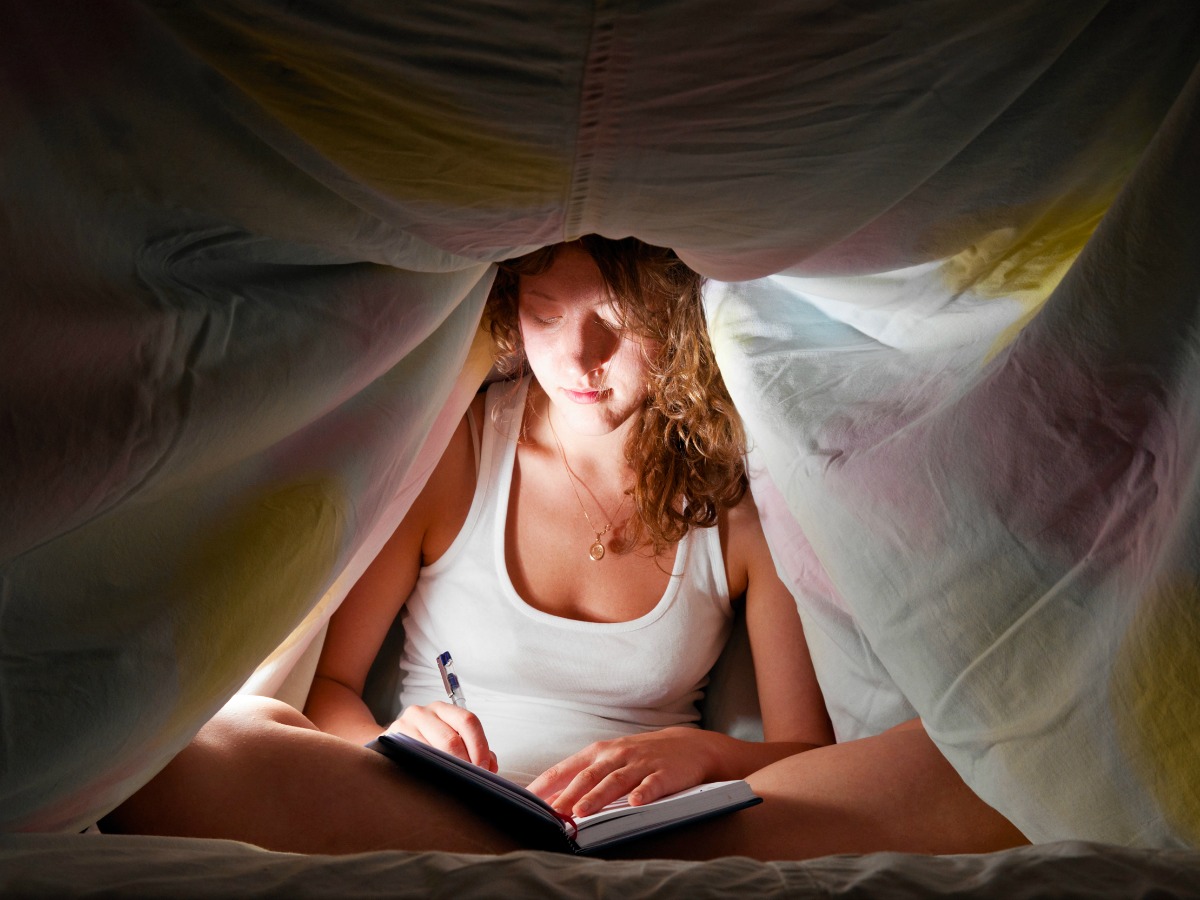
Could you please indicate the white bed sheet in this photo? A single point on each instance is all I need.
(243, 253)
(62, 866)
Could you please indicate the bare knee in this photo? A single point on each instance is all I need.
(222, 755)
(245, 711)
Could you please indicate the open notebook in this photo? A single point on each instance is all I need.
(519, 810)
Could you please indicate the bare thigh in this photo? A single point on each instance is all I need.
(260, 772)
(892, 792)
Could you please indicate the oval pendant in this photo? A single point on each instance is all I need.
(597, 551)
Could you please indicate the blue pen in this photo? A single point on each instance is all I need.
(453, 690)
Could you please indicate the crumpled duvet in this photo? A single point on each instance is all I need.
(955, 292)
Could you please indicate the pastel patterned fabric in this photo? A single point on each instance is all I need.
(244, 247)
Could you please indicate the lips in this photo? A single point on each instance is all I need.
(583, 397)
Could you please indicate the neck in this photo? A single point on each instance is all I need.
(598, 455)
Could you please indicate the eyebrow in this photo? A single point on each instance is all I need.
(534, 292)
(550, 298)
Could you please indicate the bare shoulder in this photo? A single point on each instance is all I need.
(443, 504)
(357, 629)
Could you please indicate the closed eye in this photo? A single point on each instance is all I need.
(611, 320)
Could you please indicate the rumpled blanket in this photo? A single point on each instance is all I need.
(955, 291)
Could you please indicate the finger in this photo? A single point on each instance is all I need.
(653, 787)
(427, 726)
(575, 785)
(588, 779)
(548, 785)
(408, 723)
(558, 776)
(469, 733)
(449, 728)
(613, 786)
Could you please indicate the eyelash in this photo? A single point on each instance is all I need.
(554, 320)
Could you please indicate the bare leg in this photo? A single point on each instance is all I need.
(260, 772)
(892, 792)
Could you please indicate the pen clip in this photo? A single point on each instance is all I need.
(443, 663)
(449, 680)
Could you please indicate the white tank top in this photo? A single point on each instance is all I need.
(544, 686)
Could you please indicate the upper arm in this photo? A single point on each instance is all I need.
(788, 693)
(358, 627)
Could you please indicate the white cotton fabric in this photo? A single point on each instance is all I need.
(544, 686)
(244, 249)
(130, 866)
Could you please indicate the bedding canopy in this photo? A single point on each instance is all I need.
(955, 293)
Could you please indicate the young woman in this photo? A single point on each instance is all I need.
(576, 549)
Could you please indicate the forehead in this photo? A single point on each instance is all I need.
(573, 277)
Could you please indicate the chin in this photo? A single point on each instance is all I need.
(596, 420)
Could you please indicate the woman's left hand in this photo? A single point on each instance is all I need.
(644, 766)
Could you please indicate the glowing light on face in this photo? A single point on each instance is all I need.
(593, 370)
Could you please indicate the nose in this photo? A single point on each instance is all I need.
(590, 347)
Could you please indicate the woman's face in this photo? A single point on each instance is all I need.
(594, 373)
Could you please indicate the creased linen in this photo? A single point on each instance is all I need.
(244, 248)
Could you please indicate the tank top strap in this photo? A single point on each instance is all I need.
(503, 416)
(473, 427)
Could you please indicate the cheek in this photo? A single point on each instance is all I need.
(633, 356)
(532, 342)
(541, 358)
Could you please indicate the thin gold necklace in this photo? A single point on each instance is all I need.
(596, 551)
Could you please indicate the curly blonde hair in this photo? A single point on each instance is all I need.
(687, 451)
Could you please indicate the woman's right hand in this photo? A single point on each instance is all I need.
(450, 728)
